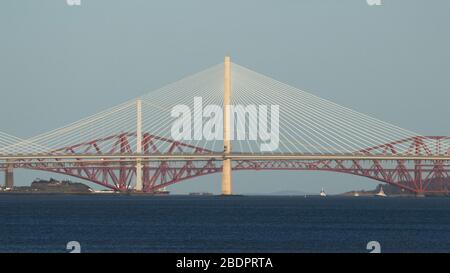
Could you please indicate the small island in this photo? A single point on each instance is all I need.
(52, 186)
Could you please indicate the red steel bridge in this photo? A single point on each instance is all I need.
(130, 147)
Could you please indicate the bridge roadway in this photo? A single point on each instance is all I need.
(131, 157)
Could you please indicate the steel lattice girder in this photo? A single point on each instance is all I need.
(417, 176)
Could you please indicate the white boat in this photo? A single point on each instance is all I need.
(322, 193)
(381, 192)
(356, 194)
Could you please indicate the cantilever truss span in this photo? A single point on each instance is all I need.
(171, 162)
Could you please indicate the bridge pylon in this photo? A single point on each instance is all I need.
(138, 184)
(226, 171)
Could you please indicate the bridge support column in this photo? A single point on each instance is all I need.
(9, 175)
(418, 179)
(138, 184)
(226, 171)
(226, 178)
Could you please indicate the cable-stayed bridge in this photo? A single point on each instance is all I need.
(132, 146)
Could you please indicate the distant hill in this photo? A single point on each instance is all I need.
(388, 189)
(284, 193)
(391, 190)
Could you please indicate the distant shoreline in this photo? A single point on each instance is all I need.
(12, 193)
(55, 187)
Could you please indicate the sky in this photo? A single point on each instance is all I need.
(60, 63)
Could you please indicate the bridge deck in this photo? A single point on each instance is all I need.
(217, 156)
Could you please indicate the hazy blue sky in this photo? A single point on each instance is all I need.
(60, 63)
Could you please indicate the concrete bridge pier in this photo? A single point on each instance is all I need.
(9, 175)
(420, 194)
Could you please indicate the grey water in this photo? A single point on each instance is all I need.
(121, 223)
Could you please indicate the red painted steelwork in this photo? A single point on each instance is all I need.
(420, 177)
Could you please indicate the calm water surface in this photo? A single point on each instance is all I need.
(45, 223)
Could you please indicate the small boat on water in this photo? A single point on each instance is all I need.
(162, 191)
(356, 194)
(322, 193)
(381, 193)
